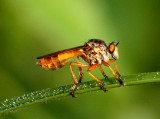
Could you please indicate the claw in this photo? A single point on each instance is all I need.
(104, 89)
(123, 84)
(72, 93)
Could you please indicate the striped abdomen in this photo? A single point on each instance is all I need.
(59, 59)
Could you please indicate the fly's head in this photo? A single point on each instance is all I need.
(113, 50)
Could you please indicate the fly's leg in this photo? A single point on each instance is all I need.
(92, 67)
(116, 68)
(114, 74)
(105, 76)
(77, 64)
(80, 75)
(80, 72)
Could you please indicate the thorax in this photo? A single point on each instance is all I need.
(96, 53)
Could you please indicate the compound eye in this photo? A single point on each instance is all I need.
(111, 48)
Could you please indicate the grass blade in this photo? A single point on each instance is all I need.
(51, 93)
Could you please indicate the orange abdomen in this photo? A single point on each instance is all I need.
(59, 59)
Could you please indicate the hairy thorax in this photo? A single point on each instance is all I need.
(96, 53)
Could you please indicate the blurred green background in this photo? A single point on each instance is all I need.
(31, 28)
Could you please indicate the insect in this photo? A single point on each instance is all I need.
(95, 52)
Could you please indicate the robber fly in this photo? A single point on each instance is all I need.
(95, 52)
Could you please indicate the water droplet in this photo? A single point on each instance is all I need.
(61, 89)
(157, 73)
(3, 104)
(84, 86)
(48, 89)
(32, 99)
(26, 102)
(78, 88)
(53, 92)
(90, 85)
(138, 77)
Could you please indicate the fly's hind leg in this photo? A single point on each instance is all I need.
(114, 74)
(77, 64)
(92, 67)
(80, 75)
(80, 72)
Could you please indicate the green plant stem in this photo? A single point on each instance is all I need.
(51, 93)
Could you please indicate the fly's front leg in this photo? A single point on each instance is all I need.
(114, 74)
(116, 68)
(77, 64)
(92, 67)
